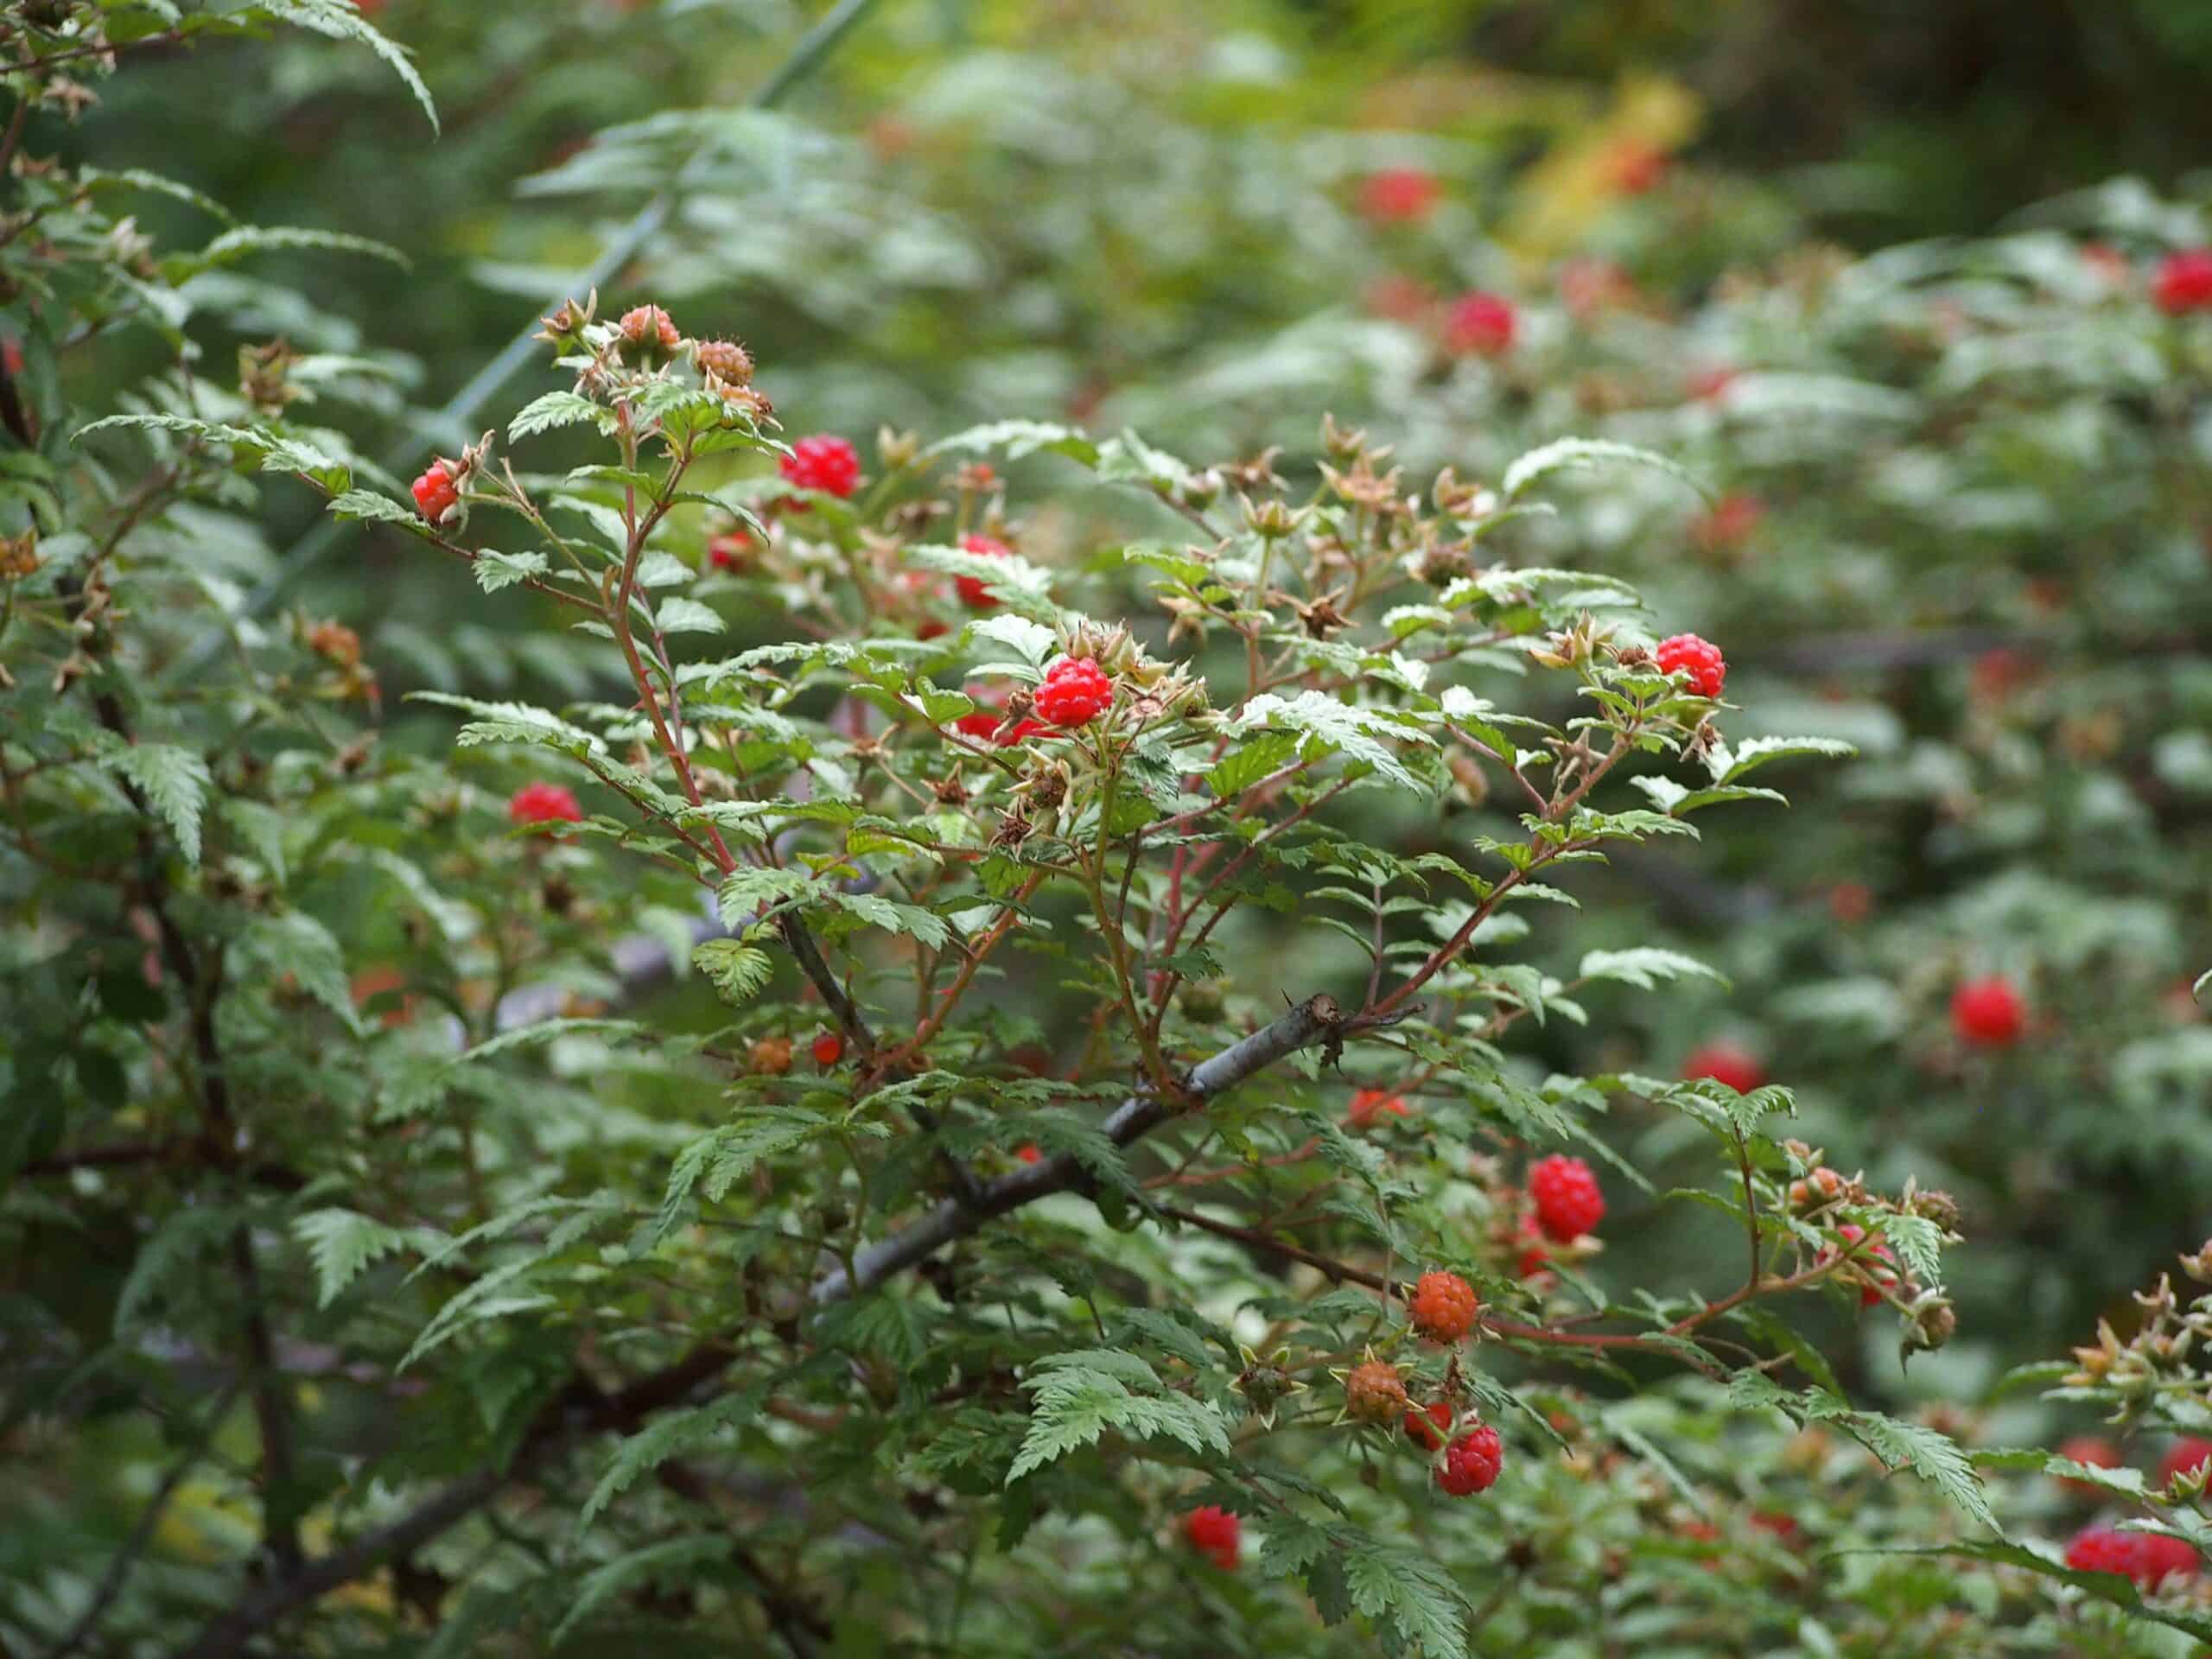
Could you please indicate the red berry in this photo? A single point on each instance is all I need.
(1872, 1279)
(1471, 1463)
(1444, 1307)
(822, 462)
(1214, 1532)
(1369, 1106)
(1479, 325)
(2186, 1458)
(1568, 1201)
(2092, 1452)
(1076, 691)
(436, 494)
(828, 1048)
(2183, 282)
(1784, 1527)
(1028, 1153)
(1399, 195)
(2158, 1558)
(1726, 1062)
(1427, 1426)
(1988, 1013)
(973, 594)
(1688, 654)
(1374, 1393)
(543, 803)
(1729, 523)
(730, 552)
(2101, 1549)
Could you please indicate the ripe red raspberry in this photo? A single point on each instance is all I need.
(973, 594)
(1214, 1532)
(730, 552)
(1726, 1062)
(1988, 1013)
(1427, 1426)
(1872, 1278)
(650, 330)
(725, 359)
(1076, 691)
(1471, 1463)
(1703, 663)
(828, 1049)
(1479, 325)
(1566, 1196)
(1444, 1307)
(822, 462)
(1369, 1106)
(1399, 195)
(1029, 1153)
(2092, 1452)
(2101, 1549)
(543, 803)
(2186, 1458)
(2158, 1558)
(2183, 282)
(436, 494)
(1374, 1393)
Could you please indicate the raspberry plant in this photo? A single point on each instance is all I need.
(1119, 1194)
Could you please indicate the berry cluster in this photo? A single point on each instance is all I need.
(2149, 1558)
(1444, 1307)
(1988, 1013)
(1480, 325)
(2183, 282)
(1076, 691)
(1215, 1534)
(436, 494)
(1686, 653)
(823, 463)
(1471, 1462)
(1370, 1106)
(543, 802)
(1568, 1200)
(1399, 195)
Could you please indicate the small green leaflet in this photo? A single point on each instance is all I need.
(669, 1436)
(671, 1556)
(1344, 727)
(174, 781)
(1933, 1456)
(736, 971)
(340, 1243)
(1645, 966)
(1569, 454)
(1080, 1396)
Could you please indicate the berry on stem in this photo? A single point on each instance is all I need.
(1076, 691)
(1374, 1393)
(823, 462)
(543, 803)
(1471, 1462)
(1370, 1106)
(436, 494)
(1872, 1279)
(2183, 282)
(1399, 195)
(649, 331)
(973, 594)
(1215, 1534)
(1726, 1062)
(1480, 325)
(828, 1049)
(1988, 1013)
(1444, 1307)
(2186, 1457)
(1685, 653)
(1427, 1425)
(1569, 1203)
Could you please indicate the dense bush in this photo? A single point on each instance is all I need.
(1198, 1117)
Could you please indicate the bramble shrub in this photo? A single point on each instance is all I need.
(1116, 1189)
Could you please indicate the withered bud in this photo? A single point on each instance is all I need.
(1270, 519)
(896, 449)
(564, 327)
